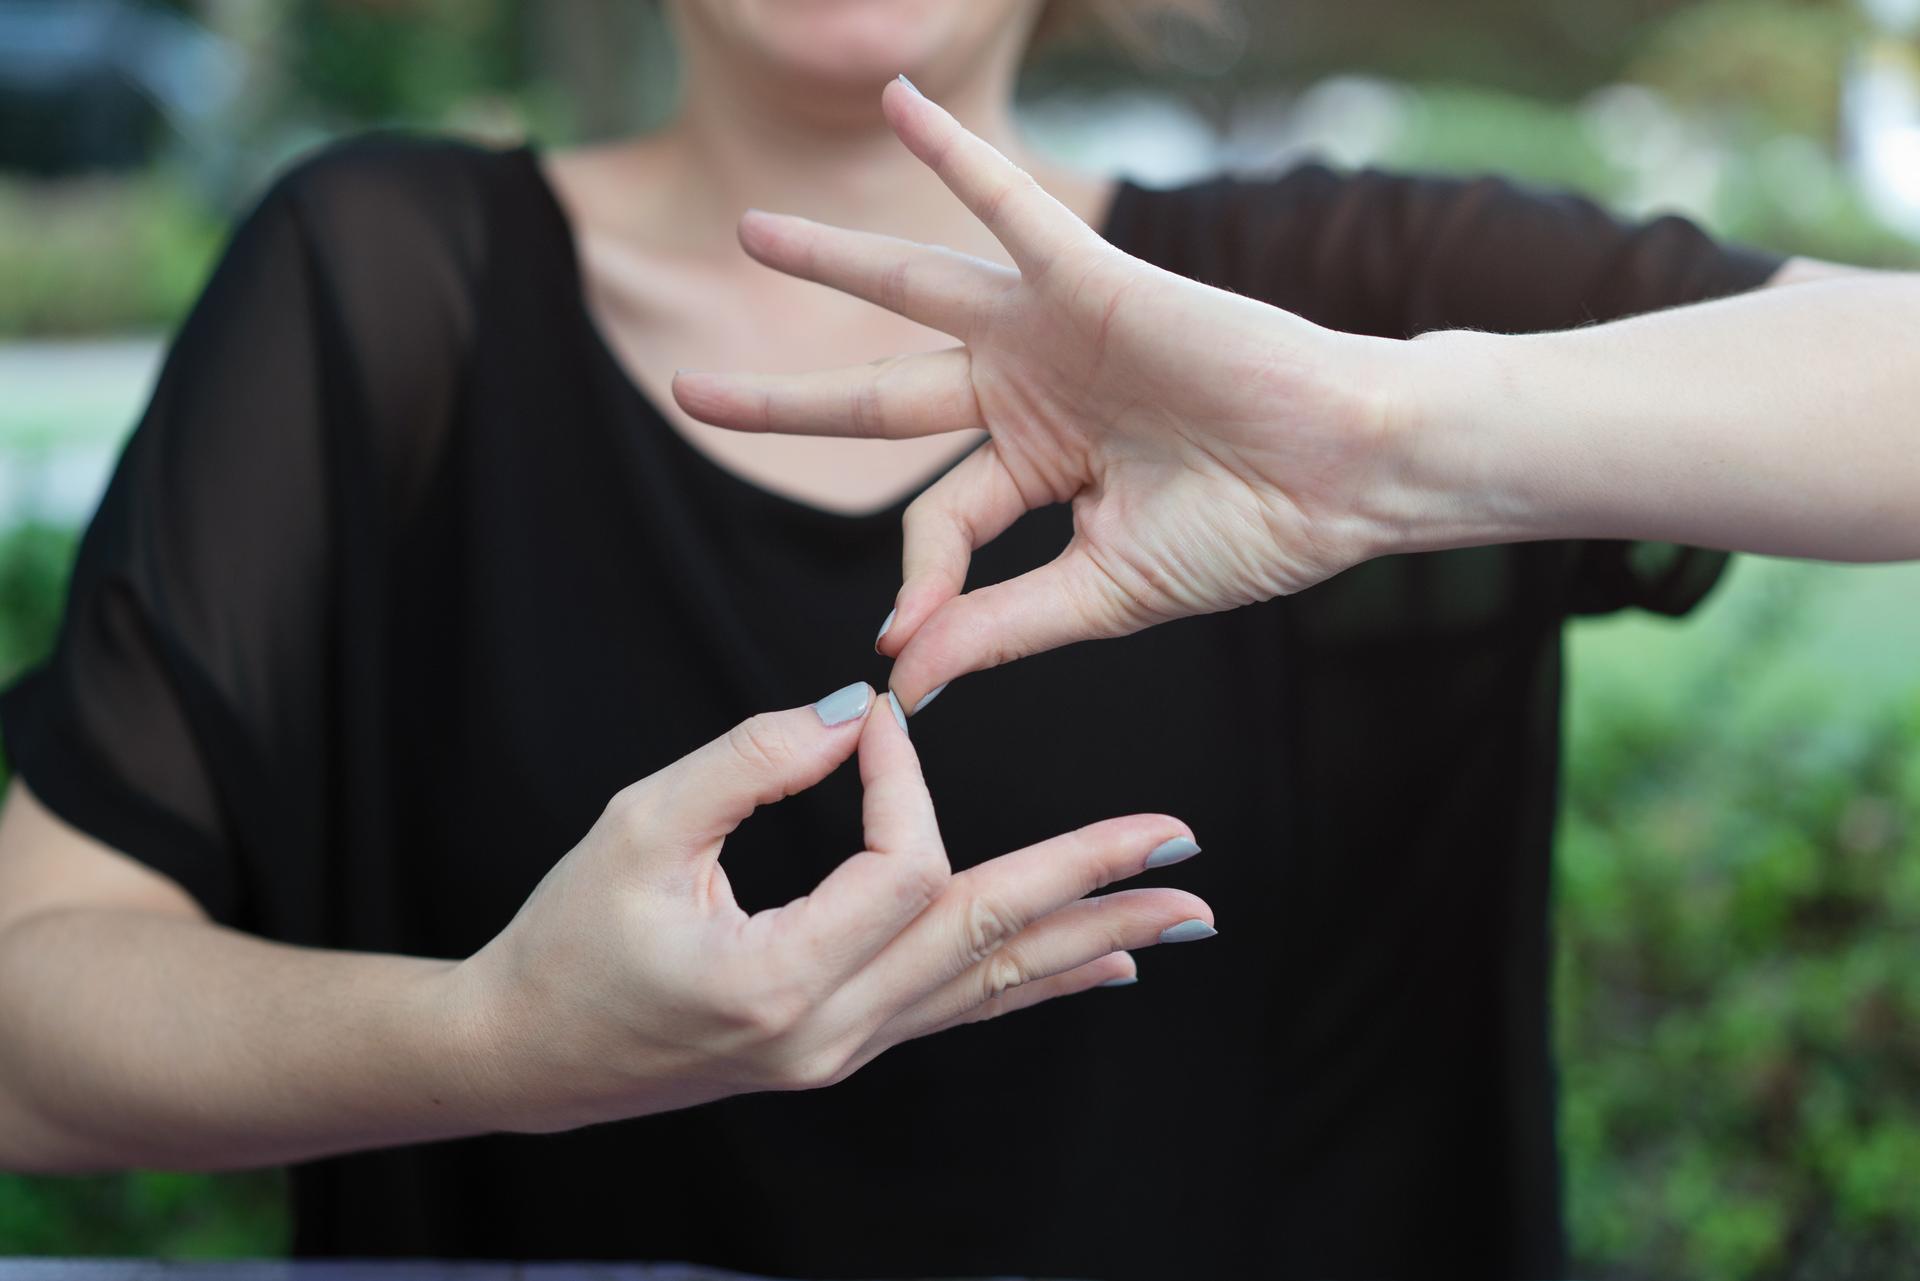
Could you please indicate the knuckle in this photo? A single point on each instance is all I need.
(929, 517)
(814, 1069)
(1019, 186)
(1000, 973)
(629, 813)
(866, 412)
(994, 204)
(984, 926)
(1003, 648)
(1112, 848)
(893, 292)
(757, 1010)
(928, 879)
(759, 742)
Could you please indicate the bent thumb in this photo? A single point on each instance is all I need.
(707, 793)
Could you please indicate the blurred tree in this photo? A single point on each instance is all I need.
(370, 62)
(1739, 978)
(1782, 61)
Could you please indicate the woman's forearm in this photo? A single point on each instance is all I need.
(1780, 422)
(140, 1039)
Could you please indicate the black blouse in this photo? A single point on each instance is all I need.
(401, 577)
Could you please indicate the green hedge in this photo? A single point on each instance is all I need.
(1739, 981)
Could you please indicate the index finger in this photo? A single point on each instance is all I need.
(868, 900)
(1032, 226)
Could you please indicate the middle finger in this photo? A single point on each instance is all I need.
(985, 906)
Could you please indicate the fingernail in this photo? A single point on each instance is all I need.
(899, 717)
(1125, 980)
(883, 629)
(932, 694)
(844, 705)
(1187, 932)
(1174, 851)
(911, 85)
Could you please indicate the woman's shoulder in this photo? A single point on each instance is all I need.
(1219, 225)
(391, 164)
(1214, 201)
(395, 197)
(1333, 244)
(390, 245)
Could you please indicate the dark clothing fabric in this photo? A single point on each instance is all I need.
(400, 578)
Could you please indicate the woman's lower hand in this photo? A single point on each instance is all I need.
(1217, 451)
(632, 982)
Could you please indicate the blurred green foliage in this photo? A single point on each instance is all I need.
(102, 254)
(34, 562)
(1780, 191)
(1774, 61)
(175, 1216)
(379, 62)
(1739, 972)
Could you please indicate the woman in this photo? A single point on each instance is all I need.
(413, 564)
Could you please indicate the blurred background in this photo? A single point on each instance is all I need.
(1739, 869)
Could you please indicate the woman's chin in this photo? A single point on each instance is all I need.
(854, 42)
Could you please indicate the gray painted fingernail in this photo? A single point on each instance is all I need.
(1187, 932)
(883, 630)
(911, 85)
(1176, 850)
(1125, 980)
(899, 716)
(844, 705)
(932, 694)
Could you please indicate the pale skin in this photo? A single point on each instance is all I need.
(135, 1032)
(1218, 451)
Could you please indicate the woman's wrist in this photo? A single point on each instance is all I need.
(503, 1068)
(1468, 448)
(520, 1058)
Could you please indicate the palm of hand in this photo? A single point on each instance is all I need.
(1150, 402)
(1212, 446)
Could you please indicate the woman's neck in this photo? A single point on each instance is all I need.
(668, 284)
(744, 142)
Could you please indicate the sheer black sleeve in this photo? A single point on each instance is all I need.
(1395, 256)
(183, 717)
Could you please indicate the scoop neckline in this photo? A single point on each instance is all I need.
(528, 154)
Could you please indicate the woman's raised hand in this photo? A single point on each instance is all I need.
(1217, 451)
(632, 982)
